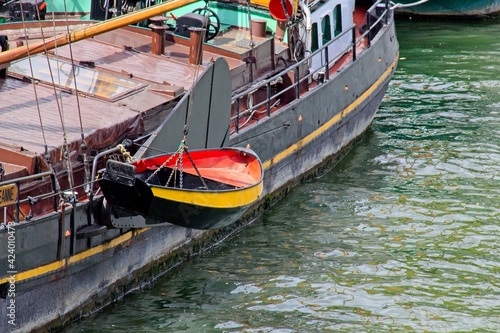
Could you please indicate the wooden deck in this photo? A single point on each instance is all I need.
(121, 54)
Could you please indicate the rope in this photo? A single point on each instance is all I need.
(195, 76)
(400, 5)
(413, 4)
(84, 143)
(125, 152)
(196, 169)
(252, 43)
(46, 153)
(59, 105)
(182, 146)
(32, 76)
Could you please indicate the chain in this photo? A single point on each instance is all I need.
(180, 173)
(180, 151)
(160, 167)
(179, 165)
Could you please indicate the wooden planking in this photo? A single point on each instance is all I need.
(141, 66)
(20, 123)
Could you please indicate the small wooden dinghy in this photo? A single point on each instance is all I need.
(200, 189)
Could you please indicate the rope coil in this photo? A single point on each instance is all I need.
(126, 154)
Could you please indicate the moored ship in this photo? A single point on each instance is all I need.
(467, 9)
(295, 83)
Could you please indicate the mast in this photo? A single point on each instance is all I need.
(91, 31)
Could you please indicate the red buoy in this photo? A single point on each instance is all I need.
(276, 9)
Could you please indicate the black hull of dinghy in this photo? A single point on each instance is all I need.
(139, 200)
(189, 207)
(191, 216)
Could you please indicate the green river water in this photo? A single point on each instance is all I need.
(402, 236)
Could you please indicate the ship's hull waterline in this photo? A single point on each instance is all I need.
(304, 138)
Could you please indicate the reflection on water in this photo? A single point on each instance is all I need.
(402, 236)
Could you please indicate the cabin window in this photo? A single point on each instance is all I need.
(337, 17)
(90, 82)
(314, 37)
(325, 28)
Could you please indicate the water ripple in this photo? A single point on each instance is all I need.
(402, 236)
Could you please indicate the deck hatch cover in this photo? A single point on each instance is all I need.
(92, 82)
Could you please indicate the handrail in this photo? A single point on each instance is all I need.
(90, 186)
(292, 67)
(384, 15)
(20, 180)
(295, 67)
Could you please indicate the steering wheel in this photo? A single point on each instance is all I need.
(213, 22)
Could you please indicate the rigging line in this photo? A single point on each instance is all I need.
(252, 43)
(285, 125)
(46, 153)
(400, 5)
(83, 144)
(197, 171)
(58, 103)
(33, 81)
(50, 67)
(195, 76)
(152, 148)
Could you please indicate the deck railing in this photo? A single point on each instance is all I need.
(31, 200)
(376, 17)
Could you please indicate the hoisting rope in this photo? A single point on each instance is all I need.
(183, 148)
(183, 145)
(65, 143)
(46, 149)
(180, 150)
(83, 144)
(196, 73)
